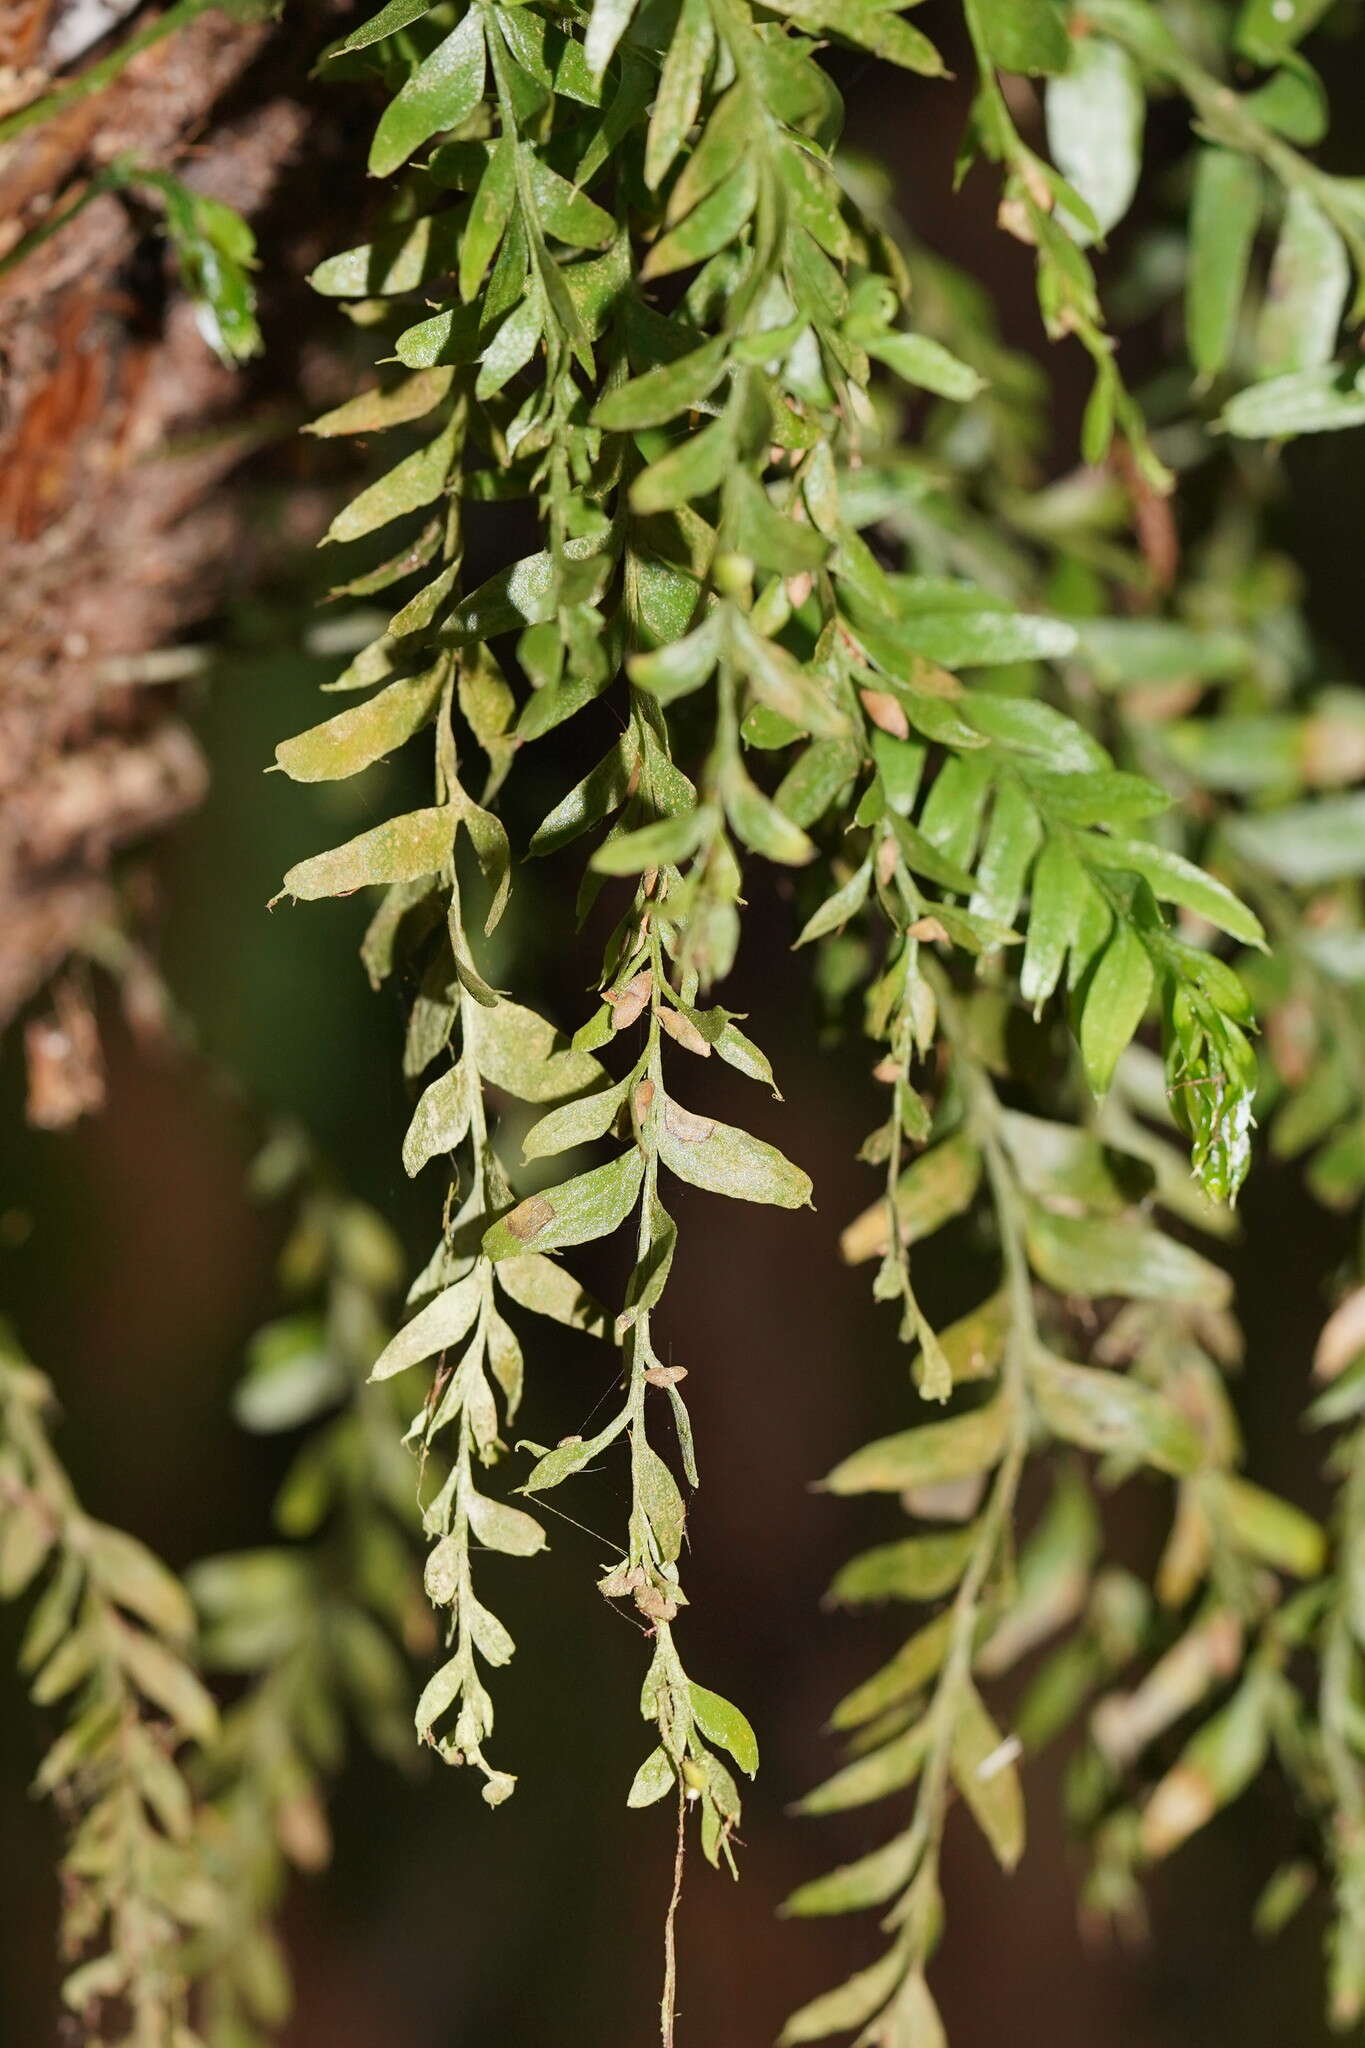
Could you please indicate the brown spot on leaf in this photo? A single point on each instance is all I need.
(929, 928)
(693, 1130)
(530, 1217)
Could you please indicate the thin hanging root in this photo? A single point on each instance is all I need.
(668, 2003)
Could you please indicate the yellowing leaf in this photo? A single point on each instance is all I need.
(934, 1451)
(727, 1161)
(400, 851)
(985, 1774)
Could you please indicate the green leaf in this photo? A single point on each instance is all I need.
(1108, 1413)
(448, 337)
(655, 1778)
(489, 212)
(1097, 1255)
(292, 1375)
(402, 259)
(871, 25)
(25, 1543)
(576, 1123)
(1095, 113)
(1173, 879)
(963, 638)
(505, 1528)
(850, 2006)
(691, 470)
(520, 595)
(908, 1672)
(365, 733)
(1271, 1529)
(817, 778)
(1002, 867)
(916, 1568)
(398, 14)
(761, 825)
(836, 910)
(721, 1722)
(538, 1284)
(1267, 30)
(511, 347)
(1218, 1763)
(1115, 1004)
(679, 666)
(1225, 212)
(399, 851)
(918, 360)
(985, 1774)
(780, 683)
(608, 23)
(1310, 277)
(713, 224)
(441, 1325)
(517, 1050)
(770, 537)
(938, 1185)
(373, 412)
(133, 1576)
(727, 1161)
(870, 1881)
(442, 93)
(1030, 727)
(592, 1205)
(874, 1776)
(440, 1120)
(955, 1449)
(656, 1491)
(1317, 401)
(717, 151)
(168, 1683)
(600, 792)
(412, 483)
(678, 100)
(658, 396)
(662, 844)
(1023, 35)
(1307, 844)
(1060, 887)
(567, 213)
(561, 1463)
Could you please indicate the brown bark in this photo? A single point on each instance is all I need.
(118, 429)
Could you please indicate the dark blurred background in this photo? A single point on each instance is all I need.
(135, 1270)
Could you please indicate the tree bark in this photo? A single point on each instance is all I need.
(118, 431)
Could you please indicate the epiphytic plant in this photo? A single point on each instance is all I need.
(1069, 817)
(658, 315)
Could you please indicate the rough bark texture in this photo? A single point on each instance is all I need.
(118, 428)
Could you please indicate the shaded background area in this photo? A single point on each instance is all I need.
(135, 1271)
